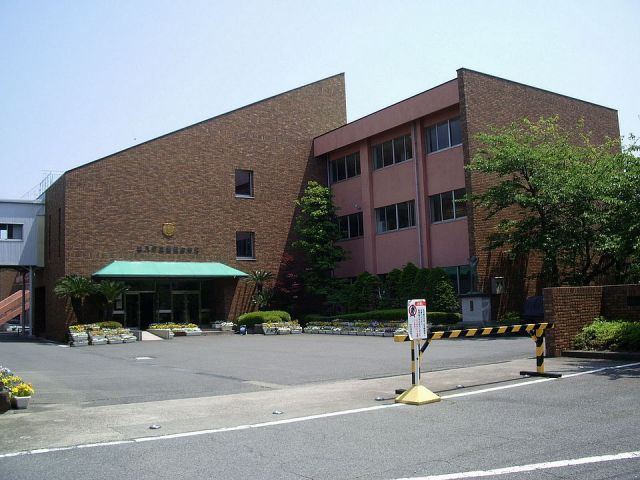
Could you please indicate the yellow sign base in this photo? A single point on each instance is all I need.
(417, 395)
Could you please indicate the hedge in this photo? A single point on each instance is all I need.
(613, 335)
(395, 314)
(271, 316)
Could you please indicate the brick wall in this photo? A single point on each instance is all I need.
(487, 101)
(114, 205)
(571, 308)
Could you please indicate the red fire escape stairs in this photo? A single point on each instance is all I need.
(11, 306)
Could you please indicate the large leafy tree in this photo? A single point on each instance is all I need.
(317, 229)
(566, 198)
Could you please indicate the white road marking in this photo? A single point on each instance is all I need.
(301, 419)
(531, 467)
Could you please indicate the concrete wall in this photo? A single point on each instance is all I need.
(571, 308)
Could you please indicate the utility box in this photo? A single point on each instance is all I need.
(476, 308)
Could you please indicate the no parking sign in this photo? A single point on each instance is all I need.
(417, 318)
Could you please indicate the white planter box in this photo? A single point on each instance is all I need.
(162, 333)
(98, 340)
(113, 340)
(270, 331)
(296, 330)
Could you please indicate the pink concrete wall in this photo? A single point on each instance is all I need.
(347, 195)
(354, 266)
(394, 184)
(445, 170)
(449, 243)
(396, 249)
(418, 106)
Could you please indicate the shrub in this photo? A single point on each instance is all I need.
(444, 318)
(509, 318)
(397, 314)
(363, 293)
(609, 335)
(272, 316)
(109, 324)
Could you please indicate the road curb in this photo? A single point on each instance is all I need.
(602, 355)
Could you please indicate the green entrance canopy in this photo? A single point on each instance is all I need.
(168, 269)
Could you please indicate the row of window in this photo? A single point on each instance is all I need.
(10, 231)
(444, 206)
(438, 137)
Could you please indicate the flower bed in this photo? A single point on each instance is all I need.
(281, 328)
(99, 334)
(177, 329)
(13, 391)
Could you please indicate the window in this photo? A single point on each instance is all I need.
(460, 277)
(345, 167)
(245, 248)
(393, 151)
(244, 183)
(350, 226)
(444, 135)
(10, 231)
(448, 206)
(395, 217)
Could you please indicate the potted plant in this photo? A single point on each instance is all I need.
(5, 392)
(21, 395)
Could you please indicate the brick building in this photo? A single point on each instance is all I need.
(182, 218)
(222, 190)
(396, 174)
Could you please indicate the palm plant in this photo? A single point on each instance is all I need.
(77, 288)
(111, 290)
(259, 278)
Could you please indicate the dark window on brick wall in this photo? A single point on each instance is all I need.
(444, 135)
(245, 246)
(244, 183)
(633, 301)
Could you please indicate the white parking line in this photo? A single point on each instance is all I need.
(531, 467)
(302, 419)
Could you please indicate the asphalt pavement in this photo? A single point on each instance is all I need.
(326, 418)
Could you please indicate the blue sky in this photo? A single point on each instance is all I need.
(81, 80)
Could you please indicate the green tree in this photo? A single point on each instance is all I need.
(391, 289)
(317, 229)
(440, 292)
(364, 293)
(111, 290)
(571, 196)
(77, 288)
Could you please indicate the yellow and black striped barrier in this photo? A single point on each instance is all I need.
(534, 330)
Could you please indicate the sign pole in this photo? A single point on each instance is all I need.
(417, 329)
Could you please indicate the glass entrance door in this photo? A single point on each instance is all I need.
(186, 306)
(132, 310)
(139, 309)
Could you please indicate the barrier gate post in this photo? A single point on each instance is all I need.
(417, 322)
